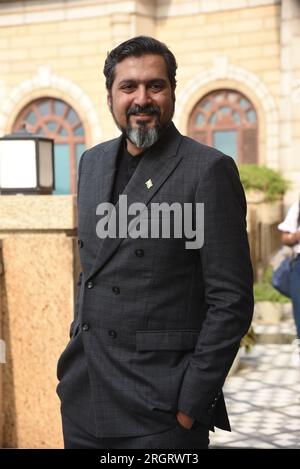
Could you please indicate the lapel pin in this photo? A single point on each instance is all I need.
(149, 184)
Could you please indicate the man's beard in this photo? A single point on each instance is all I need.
(142, 136)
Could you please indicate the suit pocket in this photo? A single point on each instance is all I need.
(162, 357)
(152, 340)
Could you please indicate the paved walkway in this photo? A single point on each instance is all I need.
(263, 396)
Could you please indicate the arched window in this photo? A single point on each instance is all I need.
(226, 120)
(54, 118)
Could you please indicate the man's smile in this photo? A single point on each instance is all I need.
(143, 117)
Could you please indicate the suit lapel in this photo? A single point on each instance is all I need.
(156, 165)
(106, 171)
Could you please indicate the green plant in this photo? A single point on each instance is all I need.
(263, 290)
(264, 179)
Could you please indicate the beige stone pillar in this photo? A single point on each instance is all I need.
(38, 246)
(141, 21)
(290, 96)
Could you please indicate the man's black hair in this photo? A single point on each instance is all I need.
(136, 47)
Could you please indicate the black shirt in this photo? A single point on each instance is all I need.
(126, 165)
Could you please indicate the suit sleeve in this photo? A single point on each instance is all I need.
(228, 281)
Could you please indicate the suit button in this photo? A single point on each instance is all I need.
(85, 327)
(90, 284)
(112, 334)
(116, 290)
(80, 243)
(139, 252)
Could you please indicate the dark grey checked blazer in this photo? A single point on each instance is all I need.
(157, 326)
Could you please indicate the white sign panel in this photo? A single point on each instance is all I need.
(17, 164)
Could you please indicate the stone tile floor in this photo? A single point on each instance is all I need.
(263, 399)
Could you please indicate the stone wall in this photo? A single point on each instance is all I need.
(290, 96)
(59, 51)
(39, 253)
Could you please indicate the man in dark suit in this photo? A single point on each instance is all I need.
(158, 318)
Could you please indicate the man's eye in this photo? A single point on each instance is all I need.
(127, 87)
(156, 86)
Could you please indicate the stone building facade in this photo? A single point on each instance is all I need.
(53, 51)
(238, 89)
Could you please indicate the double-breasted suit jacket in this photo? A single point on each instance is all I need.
(157, 326)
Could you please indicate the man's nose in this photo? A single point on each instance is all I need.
(142, 97)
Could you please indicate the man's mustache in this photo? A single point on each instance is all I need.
(149, 109)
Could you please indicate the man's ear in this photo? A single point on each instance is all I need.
(109, 101)
(174, 95)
